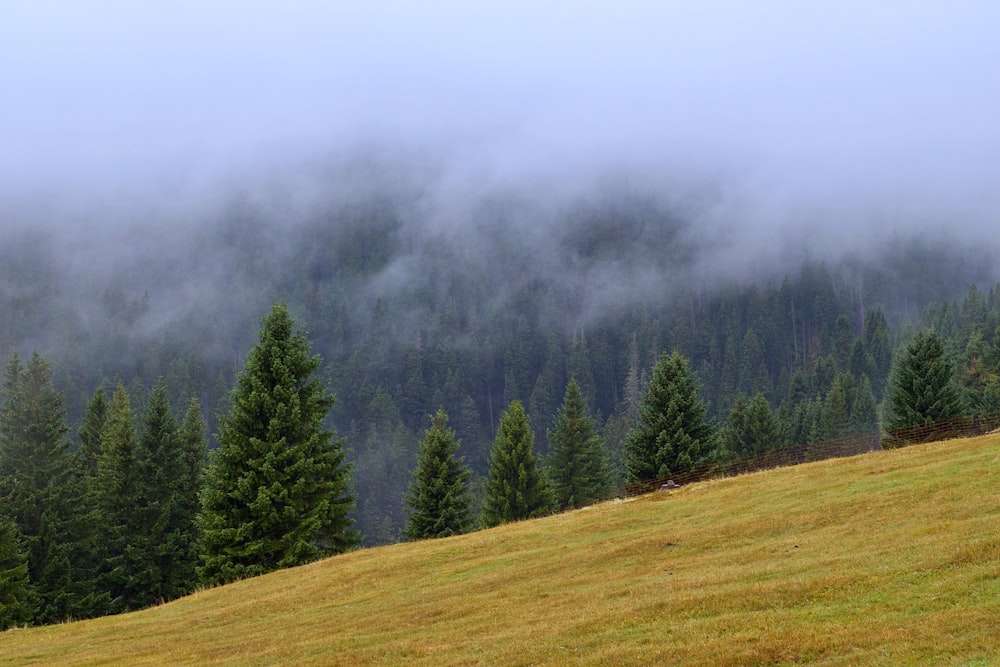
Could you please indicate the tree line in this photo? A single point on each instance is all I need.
(135, 514)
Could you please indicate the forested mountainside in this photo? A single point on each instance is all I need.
(416, 304)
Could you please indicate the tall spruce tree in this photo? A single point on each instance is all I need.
(119, 497)
(88, 521)
(36, 480)
(166, 500)
(193, 447)
(277, 491)
(672, 434)
(515, 488)
(438, 496)
(578, 467)
(923, 389)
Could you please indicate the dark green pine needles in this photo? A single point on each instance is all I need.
(439, 494)
(923, 385)
(277, 491)
(515, 487)
(578, 464)
(672, 434)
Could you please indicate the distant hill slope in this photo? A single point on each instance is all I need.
(887, 558)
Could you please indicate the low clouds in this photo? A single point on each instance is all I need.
(773, 128)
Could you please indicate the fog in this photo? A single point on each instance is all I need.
(773, 130)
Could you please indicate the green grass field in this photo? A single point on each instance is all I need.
(888, 558)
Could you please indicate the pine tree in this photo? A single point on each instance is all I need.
(90, 431)
(88, 525)
(578, 464)
(166, 498)
(842, 342)
(864, 411)
(277, 490)
(438, 496)
(923, 389)
(192, 448)
(515, 488)
(17, 601)
(125, 577)
(751, 427)
(36, 477)
(835, 421)
(672, 434)
(879, 348)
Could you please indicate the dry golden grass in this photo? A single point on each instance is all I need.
(888, 558)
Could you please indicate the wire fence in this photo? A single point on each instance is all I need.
(850, 445)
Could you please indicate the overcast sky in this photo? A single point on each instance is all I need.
(880, 99)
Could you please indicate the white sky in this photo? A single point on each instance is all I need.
(897, 97)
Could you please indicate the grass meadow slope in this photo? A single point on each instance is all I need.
(887, 558)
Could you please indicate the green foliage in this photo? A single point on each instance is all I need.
(277, 491)
(878, 347)
(190, 476)
(119, 490)
(167, 468)
(577, 465)
(923, 388)
(36, 474)
(515, 487)
(385, 455)
(864, 411)
(438, 496)
(17, 602)
(673, 433)
(835, 420)
(90, 432)
(751, 428)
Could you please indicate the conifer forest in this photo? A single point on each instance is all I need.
(424, 350)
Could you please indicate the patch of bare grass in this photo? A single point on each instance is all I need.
(886, 558)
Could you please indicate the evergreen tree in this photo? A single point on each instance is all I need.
(923, 389)
(515, 487)
(125, 577)
(36, 478)
(192, 448)
(438, 496)
(835, 420)
(90, 431)
(17, 602)
(578, 464)
(842, 342)
(864, 411)
(277, 491)
(879, 348)
(88, 522)
(672, 434)
(751, 428)
(166, 497)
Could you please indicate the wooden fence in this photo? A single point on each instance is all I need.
(850, 445)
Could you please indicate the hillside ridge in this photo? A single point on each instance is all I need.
(891, 557)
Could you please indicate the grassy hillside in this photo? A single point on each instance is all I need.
(887, 558)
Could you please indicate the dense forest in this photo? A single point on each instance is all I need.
(417, 303)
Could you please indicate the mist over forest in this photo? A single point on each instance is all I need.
(467, 206)
(423, 286)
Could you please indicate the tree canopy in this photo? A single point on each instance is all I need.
(515, 487)
(438, 496)
(673, 433)
(277, 491)
(577, 464)
(923, 388)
